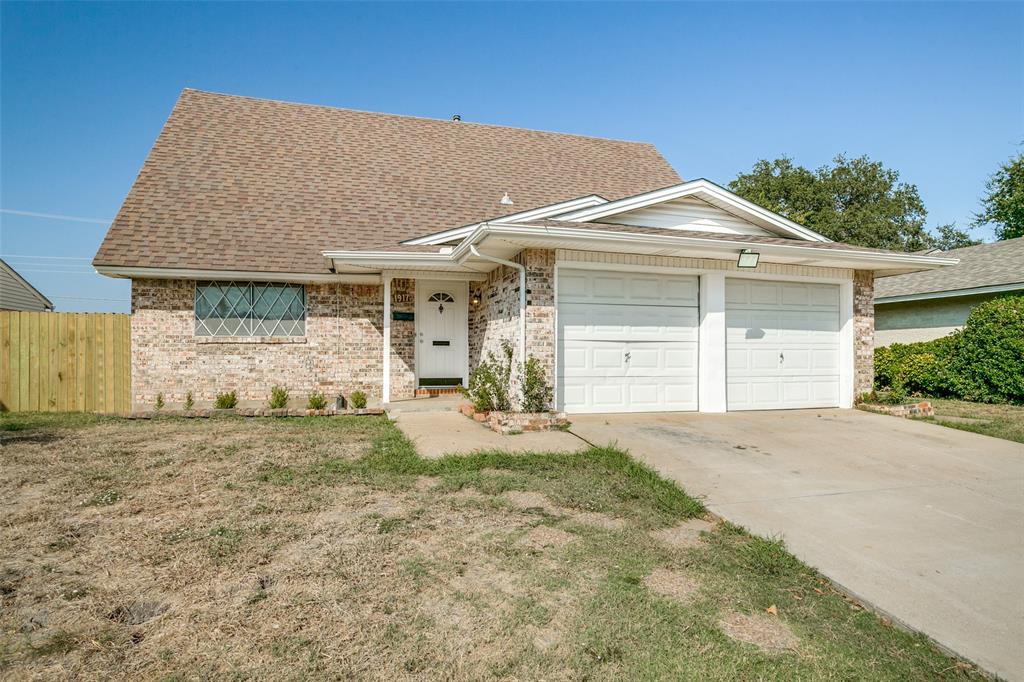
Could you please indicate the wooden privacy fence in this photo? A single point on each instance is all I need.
(65, 362)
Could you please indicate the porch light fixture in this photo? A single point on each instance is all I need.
(475, 299)
(747, 259)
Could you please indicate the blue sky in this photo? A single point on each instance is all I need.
(935, 91)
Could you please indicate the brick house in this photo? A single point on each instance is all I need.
(338, 250)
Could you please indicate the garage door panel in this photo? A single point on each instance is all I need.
(577, 286)
(628, 394)
(782, 345)
(626, 322)
(615, 358)
(772, 392)
(743, 294)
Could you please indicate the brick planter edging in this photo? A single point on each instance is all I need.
(908, 411)
(507, 423)
(252, 412)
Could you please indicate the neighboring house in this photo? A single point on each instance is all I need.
(17, 294)
(922, 306)
(335, 250)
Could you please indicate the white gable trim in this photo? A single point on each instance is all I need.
(709, 192)
(532, 214)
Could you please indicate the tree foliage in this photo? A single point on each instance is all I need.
(1003, 205)
(857, 201)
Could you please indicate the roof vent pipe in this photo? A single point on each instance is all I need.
(456, 117)
(522, 295)
(506, 200)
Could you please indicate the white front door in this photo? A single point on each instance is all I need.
(627, 342)
(441, 329)
(782, 344)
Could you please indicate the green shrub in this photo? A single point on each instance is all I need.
(982, 362)
(317, 401)
(159, 401)
(278, 398)
(490, 381)
(922, 367)
(537, 393)
(358, 400)
(189, 402)
(226, 401)
(989, 362)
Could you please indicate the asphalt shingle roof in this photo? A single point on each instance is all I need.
(247, 184)
(984, 265)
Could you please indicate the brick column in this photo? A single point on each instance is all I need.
(540, 307)
(863, 331)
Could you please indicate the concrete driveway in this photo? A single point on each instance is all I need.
(923, 522)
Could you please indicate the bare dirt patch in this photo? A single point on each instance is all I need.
(543, 537)
(675, 585)
(683, 535)
(766, 632)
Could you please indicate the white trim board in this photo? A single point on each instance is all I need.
(708, 191)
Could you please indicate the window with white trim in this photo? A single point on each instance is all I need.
(250, 309)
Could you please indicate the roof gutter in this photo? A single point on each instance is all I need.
(522, 294)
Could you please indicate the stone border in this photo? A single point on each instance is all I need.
(252, 412)
(510, 423)
(908, 411)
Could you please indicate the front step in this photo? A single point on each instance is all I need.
(434, 391)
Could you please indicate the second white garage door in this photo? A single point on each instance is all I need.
(782, 344)
(627, 342)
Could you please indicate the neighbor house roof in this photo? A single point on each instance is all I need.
(996, 266)
(234, 183)
(17, 293)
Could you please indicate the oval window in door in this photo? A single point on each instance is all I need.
(440, 298)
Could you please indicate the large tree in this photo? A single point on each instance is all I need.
(1003, 206)
(857, 201)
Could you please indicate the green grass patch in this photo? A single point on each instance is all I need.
(1002, 421)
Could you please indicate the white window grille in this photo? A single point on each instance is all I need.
(250, 309)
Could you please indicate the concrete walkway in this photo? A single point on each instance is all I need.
(923, 522)
(437, 429)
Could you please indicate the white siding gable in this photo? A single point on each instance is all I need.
(687, 213)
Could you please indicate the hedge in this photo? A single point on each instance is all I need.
(983, 362)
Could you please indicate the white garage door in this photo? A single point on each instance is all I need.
(782, 342)
(627, 342)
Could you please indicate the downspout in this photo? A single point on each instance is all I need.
(522, 295)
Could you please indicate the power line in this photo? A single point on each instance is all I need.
(61, 272)
(87, 298)
(57, 216)
(14, 255)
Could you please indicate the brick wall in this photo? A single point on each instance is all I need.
(496, 317)
(863, 331)
(341, 351)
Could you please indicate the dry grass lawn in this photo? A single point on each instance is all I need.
(326, 548)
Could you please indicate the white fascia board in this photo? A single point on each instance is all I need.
(953, 293)
(703, 189)
(186, 273)
(607, 240)
(533, 214)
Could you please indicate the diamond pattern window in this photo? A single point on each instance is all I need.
(250, 309)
